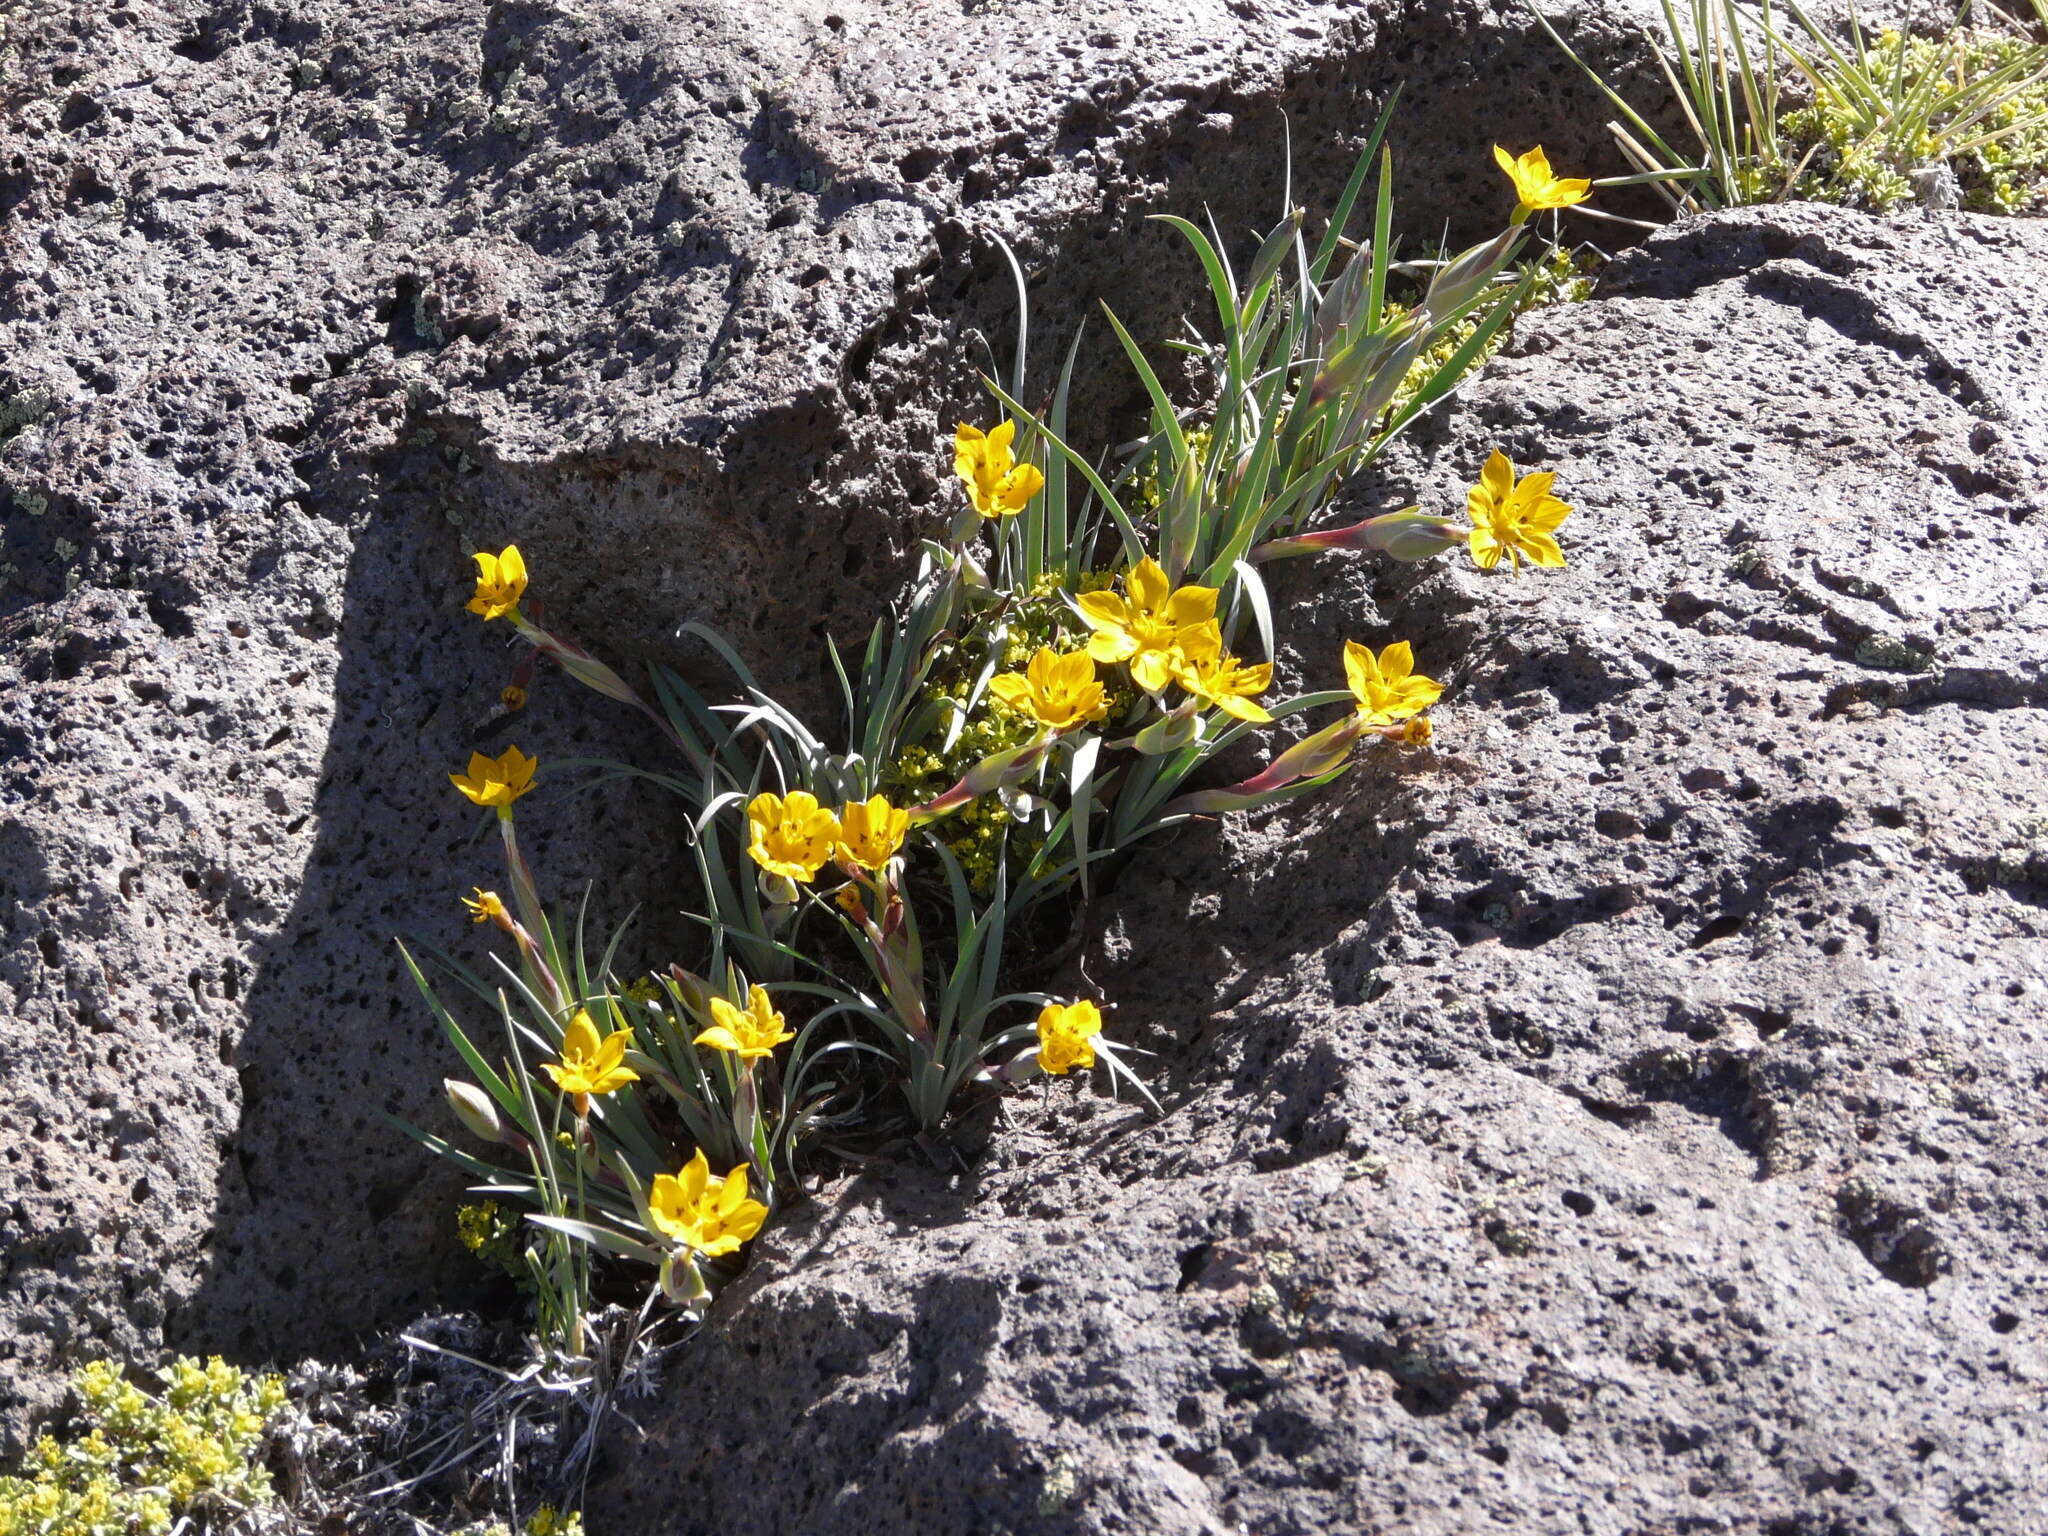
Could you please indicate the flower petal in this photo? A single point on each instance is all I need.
(1361, 671)
(1103, 611)
(1200, 642)
(1073, 671)
(1147, 586)
(1111, 645)
(1397, 661)
(1152, 670)
(1192, 605)
(1498, 477)
(579, 1039)
(1416, 693)
(692, 1180)
(733, 1192)
(664, 1204)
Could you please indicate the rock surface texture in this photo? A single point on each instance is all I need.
(300, 300)
(1625, 1118)
(1618, 1120)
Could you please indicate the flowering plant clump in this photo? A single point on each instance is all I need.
(188, 1455)
(1066, 664)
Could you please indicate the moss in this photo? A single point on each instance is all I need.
(23, 409)
(136, 1461)
(1881, 653)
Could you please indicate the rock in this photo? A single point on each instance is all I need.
(1623, 1117)
(302, 300)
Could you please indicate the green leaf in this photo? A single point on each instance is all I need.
(1081, 800)
(1134, 547)
(1340, 213)
(600, 1237)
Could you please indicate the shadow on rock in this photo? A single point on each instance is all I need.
(331, 1221)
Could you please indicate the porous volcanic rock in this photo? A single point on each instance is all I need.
(1623, 1118)
(300, 300)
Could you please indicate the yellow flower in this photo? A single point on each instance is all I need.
(1518, 518)
(1536, 187)
(747, 1033)
(589, 1064)
(500, 582)
(1388, 688)
(1055, 690)
(1230, 685)
(714, 1216)
(513, 696)
(487, 906)
(1416, 731)
(870, 832)
(997, 484)
(1151, 627)
(496, 780)
(643, 989)
(790, 837)
(1065, 1031)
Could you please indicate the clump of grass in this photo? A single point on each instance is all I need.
(1960, 116)
(1898, 109)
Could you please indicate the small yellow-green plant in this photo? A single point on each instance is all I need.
(1071, 656)
(139, 1462)
(544, 1521)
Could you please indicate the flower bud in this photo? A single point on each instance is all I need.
(1275, 250)
(681, 1282)
(695, 990)
(476, 1109)
(1308, 758)
(1408, 534)
(1415, 731)
(1459, 280)
(1167, 734)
